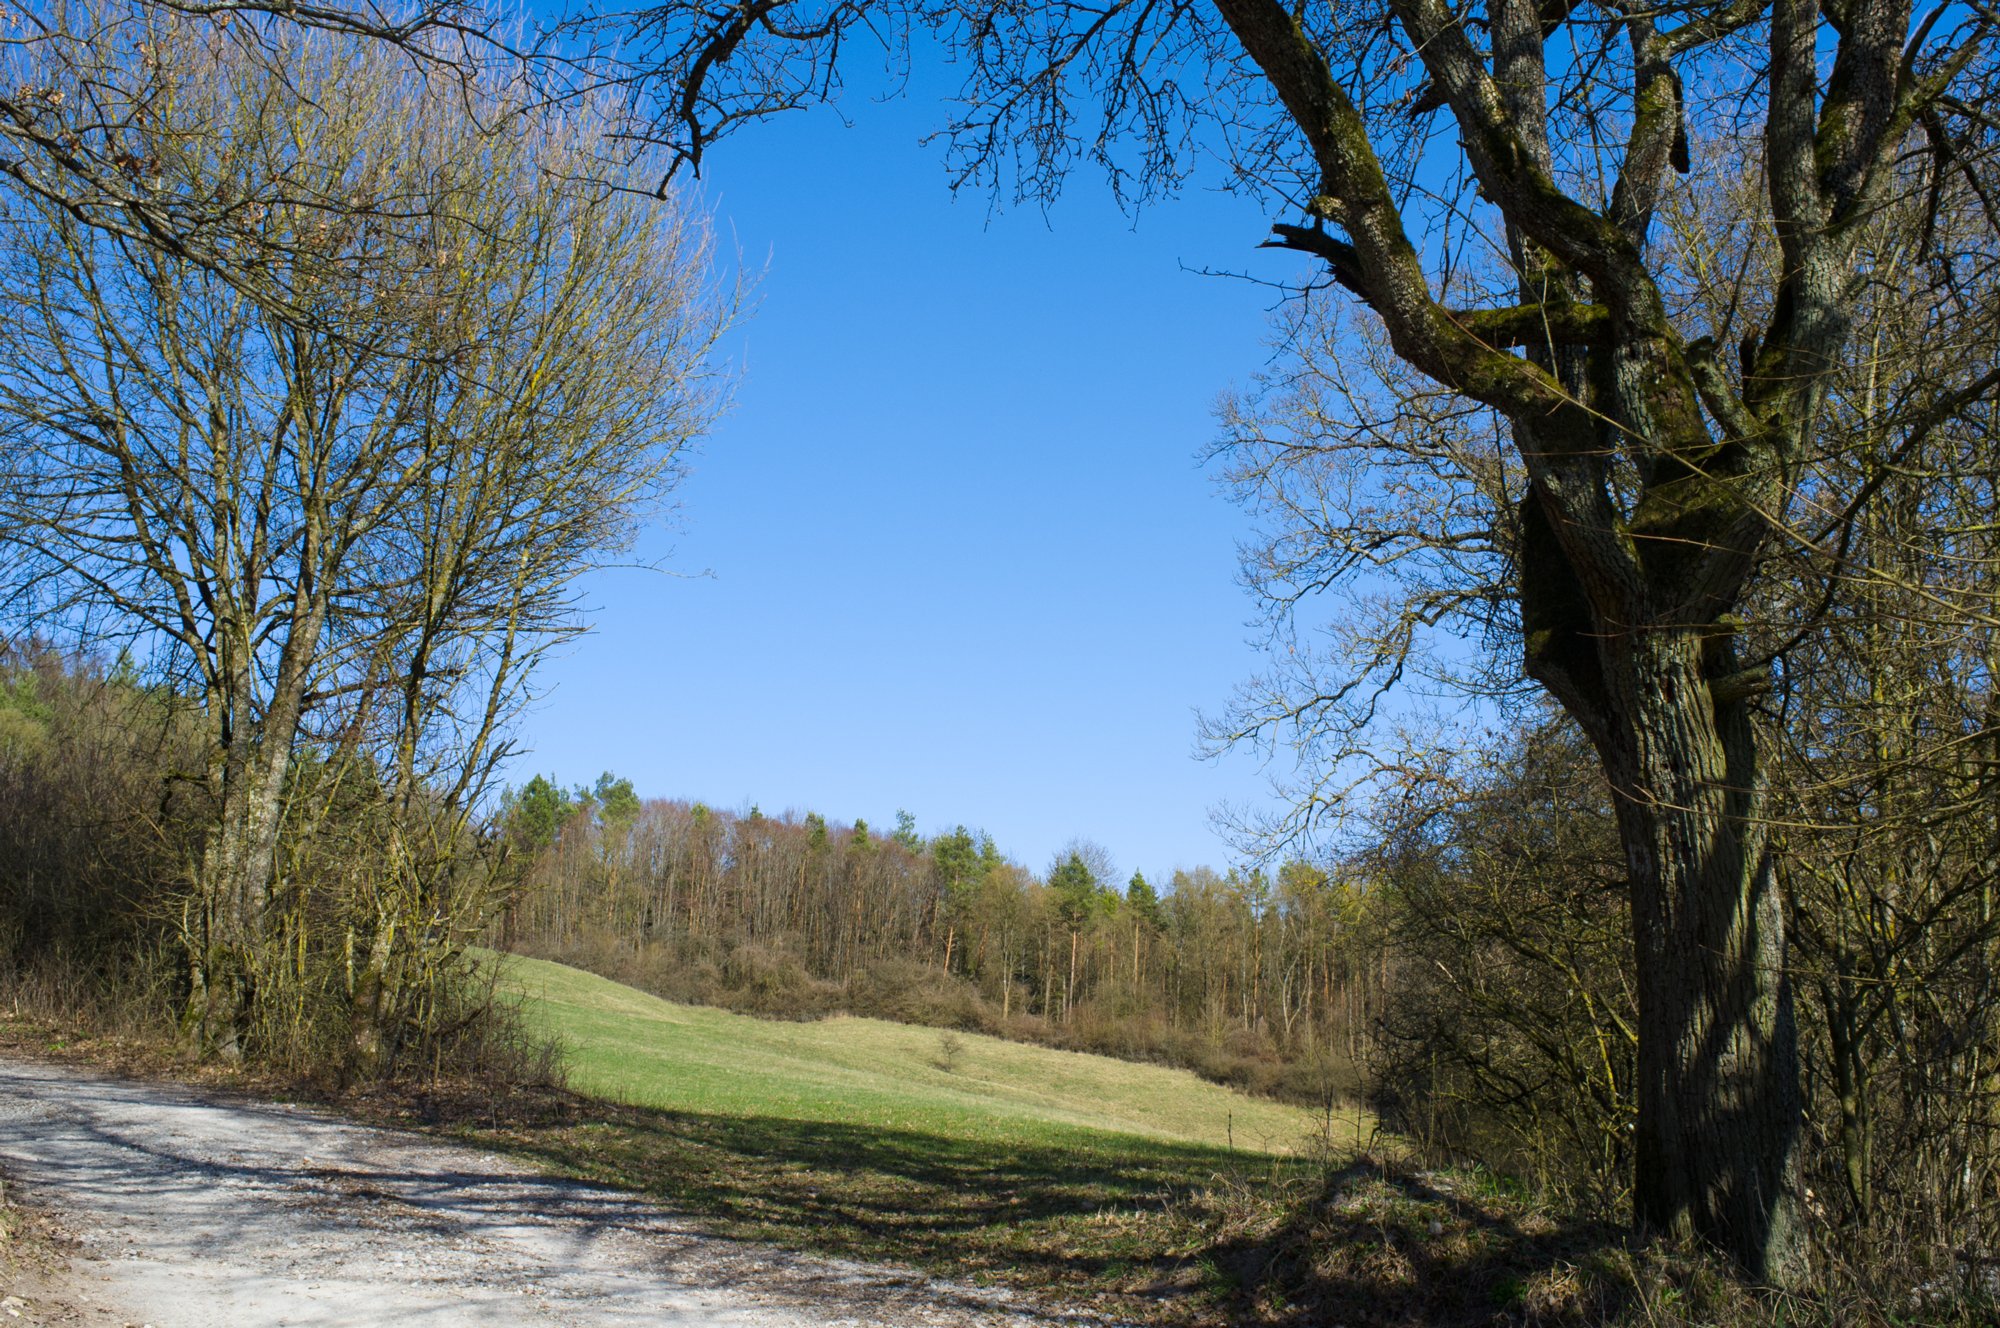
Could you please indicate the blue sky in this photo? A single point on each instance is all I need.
(962, 555)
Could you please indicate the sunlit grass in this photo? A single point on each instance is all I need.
(626, 1046)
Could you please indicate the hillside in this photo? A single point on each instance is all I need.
(630, 1047)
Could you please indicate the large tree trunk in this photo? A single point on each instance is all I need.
(239, 869)
(1647, 666)
(1719, 1108)
(237, 874)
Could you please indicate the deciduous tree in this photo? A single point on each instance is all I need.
(351, 519)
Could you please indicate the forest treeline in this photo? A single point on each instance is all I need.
(1246, 976)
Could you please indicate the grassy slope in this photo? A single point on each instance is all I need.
(1096, 1182)
(633, 1048)
(1079, 1176)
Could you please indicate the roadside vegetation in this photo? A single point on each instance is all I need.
(290, 514)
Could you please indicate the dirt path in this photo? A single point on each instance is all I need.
(191, 1209)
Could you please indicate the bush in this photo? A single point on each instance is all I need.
(1504, 1032)
(93, 830)
(99, 821)
(913, 993)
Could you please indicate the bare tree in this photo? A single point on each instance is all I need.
(85, 86)
(1658, 467)
(1901, 449)
(1887, 728)
(1507, 1029)
(358, 527)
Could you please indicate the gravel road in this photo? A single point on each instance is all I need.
(192, 1209)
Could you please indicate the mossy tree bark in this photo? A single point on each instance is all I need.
(1716, 1153)
(239, 868)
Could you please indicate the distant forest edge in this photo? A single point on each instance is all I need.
(1249, 978)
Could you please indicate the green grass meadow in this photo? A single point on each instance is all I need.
(626, 1046)
(997, 1161)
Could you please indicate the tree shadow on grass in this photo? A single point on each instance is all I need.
(1084, 1209)
(1375, 1244)
(893, 1193)
(1151, 1231)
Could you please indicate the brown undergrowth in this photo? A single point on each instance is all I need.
(1384, 1243)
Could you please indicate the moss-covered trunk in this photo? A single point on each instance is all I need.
(238, 872)
(1719, 1110)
